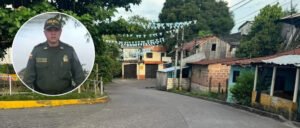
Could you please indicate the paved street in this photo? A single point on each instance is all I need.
(133, 105)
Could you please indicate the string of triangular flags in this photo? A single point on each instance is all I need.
(157, 25)
(146, 35)
(138, 43)
(152, 25)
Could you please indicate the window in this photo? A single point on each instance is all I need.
(235, 75)
(149, 55)
(213, 47)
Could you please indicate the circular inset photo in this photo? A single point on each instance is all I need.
(53, 53)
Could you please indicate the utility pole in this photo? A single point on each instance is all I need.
(96, 81)
(291, 8)
(175, 65)
(181, 58)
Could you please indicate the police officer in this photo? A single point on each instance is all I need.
(53, 65)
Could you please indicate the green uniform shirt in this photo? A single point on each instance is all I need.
(51, 70)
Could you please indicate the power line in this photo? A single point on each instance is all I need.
(240, 19)
(254, 12)
(242, 5)
(237, 3)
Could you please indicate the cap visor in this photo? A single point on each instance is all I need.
(49, 27)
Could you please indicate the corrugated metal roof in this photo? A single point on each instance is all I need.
(259, 59)
(170, 69)
(284, 60)
(291, 16)
(214, 61)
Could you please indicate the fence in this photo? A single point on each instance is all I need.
(11, 85)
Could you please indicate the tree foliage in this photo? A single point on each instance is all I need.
(264, 38)
(213, 17)
(242, 90)
(86, 11)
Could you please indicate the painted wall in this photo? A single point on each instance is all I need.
(246, 28)
(275, 104)
(156, 57)
(288, 74)
(230, 80)
(130, 54)
(141, 71)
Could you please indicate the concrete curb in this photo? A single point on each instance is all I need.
(49, 103)
(249, 109)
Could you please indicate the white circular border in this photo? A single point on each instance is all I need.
(12, 60)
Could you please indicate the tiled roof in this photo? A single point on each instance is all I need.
(190, 45)
(156, 48)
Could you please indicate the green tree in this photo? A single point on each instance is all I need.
(213, 17)
(242, 90)
(264, 38)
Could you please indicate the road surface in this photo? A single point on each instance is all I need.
(134, 105)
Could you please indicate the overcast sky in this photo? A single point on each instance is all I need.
(242, 12)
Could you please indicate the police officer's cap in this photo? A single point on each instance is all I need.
(52, 23)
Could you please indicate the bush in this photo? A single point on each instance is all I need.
(7, 68)
(242, 90)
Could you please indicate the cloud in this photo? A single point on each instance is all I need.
(149, 9)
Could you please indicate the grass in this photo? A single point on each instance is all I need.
(35, 96)
(23, 93)
(200, 94)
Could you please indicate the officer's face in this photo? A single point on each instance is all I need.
(52, 35)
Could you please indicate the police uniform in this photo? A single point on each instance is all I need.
(52, 70)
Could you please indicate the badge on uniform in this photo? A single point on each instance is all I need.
(65, 59)
(41, 60)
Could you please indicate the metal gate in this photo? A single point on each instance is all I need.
(151, 70)
(130, 71)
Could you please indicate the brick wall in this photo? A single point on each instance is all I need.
(218, 74)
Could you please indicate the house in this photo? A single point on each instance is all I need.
(142, 62)
(290, 31)
(276, 85)
(130, 59)
(205, 56)
(245, 28)
(234, 41)
(210, 75)
(275, 81)
(210, 47)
